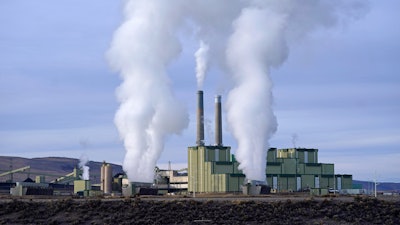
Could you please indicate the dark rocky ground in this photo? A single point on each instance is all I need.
(358, 210)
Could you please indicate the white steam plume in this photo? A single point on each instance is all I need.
(250, 114)
(83, 166)
(201, 56)
(259, 42)
(141, 50)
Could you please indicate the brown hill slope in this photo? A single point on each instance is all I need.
(51, 167)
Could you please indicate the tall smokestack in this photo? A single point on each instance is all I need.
(218, 121)
(200, 119)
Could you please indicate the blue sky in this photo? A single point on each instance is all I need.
(339, 90)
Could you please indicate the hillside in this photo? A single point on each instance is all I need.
(382, 186)
(52, 167)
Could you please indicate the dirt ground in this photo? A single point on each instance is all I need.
(201, 210)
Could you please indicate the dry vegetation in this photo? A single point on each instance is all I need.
(140, 211)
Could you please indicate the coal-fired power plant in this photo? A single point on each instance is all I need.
(200, 119)
(213, 169)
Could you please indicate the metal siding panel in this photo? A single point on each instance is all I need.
(316, 170)
(347, 183)
(201, 168)
(225, 182)
(282, 183)
(324, 182)
(207, 173)
(233, 184)
(190, 163)
(210, 187)
(273, 169)
(224, 169)
(300, 168)
(271, 156)
(308, 181)
(211, 155)
(328, 169)
(212, 183)
(292, 183)
(300, 155)
(222, 155)
(216, 184)
(193, 169)
(228, 154)
(289, 166)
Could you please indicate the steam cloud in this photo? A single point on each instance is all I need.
(246, 38)
(141, 50)
(201, 63)
(259, 42)
(85, 169)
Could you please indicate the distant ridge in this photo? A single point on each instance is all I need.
(382, 186)
(52, 167)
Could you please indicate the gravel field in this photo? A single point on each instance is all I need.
(202, 210)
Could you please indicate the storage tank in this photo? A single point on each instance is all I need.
(106, 178)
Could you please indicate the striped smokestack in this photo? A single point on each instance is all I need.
(200, 119)
(218, 121)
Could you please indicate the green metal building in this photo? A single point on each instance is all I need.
(297, 169)
(212, 169)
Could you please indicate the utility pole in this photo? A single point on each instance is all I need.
(376, 184)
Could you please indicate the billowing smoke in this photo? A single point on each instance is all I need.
(250, 52)
(141, 50)
(84, 167)
(259, 42)
(246, 37)
(201, 56)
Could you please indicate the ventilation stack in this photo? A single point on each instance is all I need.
(200, 119)
(218, 121)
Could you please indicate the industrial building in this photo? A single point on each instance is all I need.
(59, 186)
(214, 169)
(171, 181)
(69, 184)
(298, 169)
